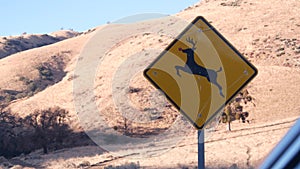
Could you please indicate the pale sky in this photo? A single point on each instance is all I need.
(36, 16)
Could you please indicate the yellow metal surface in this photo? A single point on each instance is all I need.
(194, 93)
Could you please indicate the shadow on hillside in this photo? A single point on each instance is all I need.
(137, 165)
(19, 44)
(78, 146)
(217, 166)
(39, 135)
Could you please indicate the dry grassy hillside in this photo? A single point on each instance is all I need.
(13, 44)
(26, 86)
(266, 32)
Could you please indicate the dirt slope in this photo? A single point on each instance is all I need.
(266, 32)
(13, 44)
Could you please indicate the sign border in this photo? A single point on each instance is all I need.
(227, 43)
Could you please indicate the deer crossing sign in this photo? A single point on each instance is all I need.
(200, 72)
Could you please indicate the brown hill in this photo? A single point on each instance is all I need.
(266, 32)
(13, 44)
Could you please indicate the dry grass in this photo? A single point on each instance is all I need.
(257, 28)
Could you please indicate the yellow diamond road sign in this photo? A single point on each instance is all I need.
(200, 72)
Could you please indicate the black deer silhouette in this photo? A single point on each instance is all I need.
(193, 68)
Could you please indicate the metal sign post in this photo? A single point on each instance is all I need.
(200, 52)
(201, 159)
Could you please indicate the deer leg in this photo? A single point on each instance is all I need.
(179, 68)
(220, 88)
(213, 80)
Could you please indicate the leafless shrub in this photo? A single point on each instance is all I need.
(50, 126)
(234, 110)
(42, 129)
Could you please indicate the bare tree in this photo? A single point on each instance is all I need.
(9, 133)
(234, 110)
(49, 125)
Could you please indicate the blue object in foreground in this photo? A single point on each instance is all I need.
(287, 153)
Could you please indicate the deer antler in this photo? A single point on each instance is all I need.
(191, 41)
